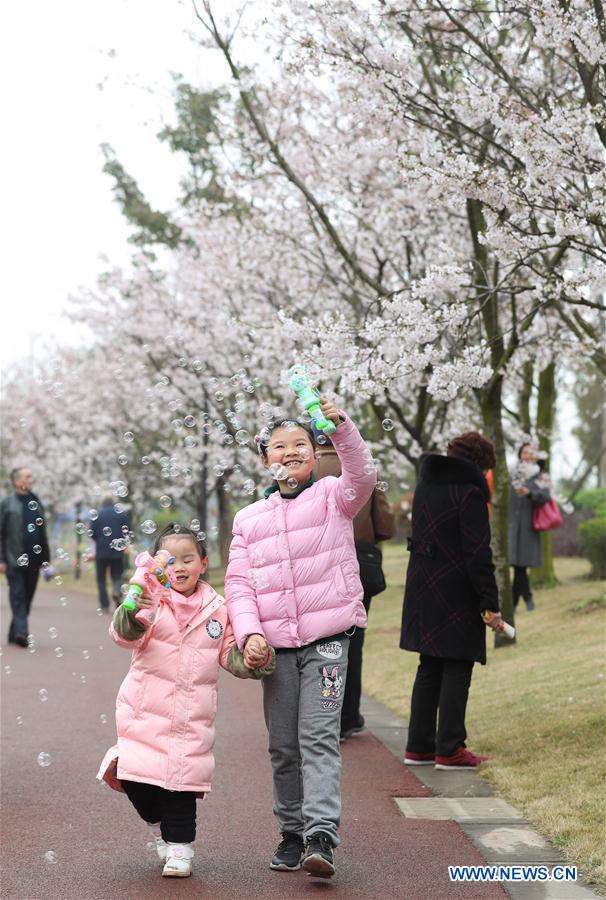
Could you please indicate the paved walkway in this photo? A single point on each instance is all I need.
(66, 837)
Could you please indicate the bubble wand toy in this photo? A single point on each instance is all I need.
(150, 575)
(309, 396)
(507, 629)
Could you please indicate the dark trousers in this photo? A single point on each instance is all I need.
(175, 810)
(22, 581)
(521, 585)
(116, 567)
(439, 696)
(350, 711)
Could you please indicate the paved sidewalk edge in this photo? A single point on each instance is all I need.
(392, 732)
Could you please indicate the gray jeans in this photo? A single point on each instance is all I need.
(302, 703)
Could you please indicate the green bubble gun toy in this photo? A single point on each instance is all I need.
(309, 396)
(150, 574)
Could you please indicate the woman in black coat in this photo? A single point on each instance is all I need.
(449, 584)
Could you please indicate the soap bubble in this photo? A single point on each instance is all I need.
(93, 515)
(80, 527)
(44, 759)
(195, 524)
(63, 601)
(381, 486)
(39, 521)
(350, 494)
(83, 679)
(7, 670)
(58, 652)
(50, 856)
(370, 469)
(58, 580)
(99, 611)
(32, 505)
(189, 421)
(201, 535)
(387, 424)
(43, 694)
(128, 437)
(177, 424)
(292, 483)
(149, 526)
(145, 460)
(31, 527)
(23, 560)
(37, 548)
(242, 437)
(122, 460)
(19, 720)
(86, 654)
(321, 439)
(165, 501)
(278, 471)
(52, 632)
(103, 718)
(107, 531)
(118, 544)
(248, 486)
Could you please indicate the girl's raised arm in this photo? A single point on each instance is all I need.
(358, 477)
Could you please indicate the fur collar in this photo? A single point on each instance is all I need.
(449, 469)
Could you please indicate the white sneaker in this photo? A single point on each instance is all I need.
(178, 860)
(158, 841)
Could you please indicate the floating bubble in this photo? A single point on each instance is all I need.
(43, 695)
(165, 501)
(7, 670)
(31, 527)
(86, 654)
(292, 483)
(83, 679)
(228, 439)
(278, 471)
(218, 470)
(93, 515)
(58, 580)
(128, 437)
(58, 652)
(370, 468)
(63, 601)
(107, 531)
(242, 437)
(103, 718)
(190, 441)
(61, 553)
(52, 632)
(387, 424)
(124, 529)
(321, 439)
(122, 460)
(50, 856)
(350, 494)
(19, 720)
(145, 460)
(23, 560)
(44, 759)
(99, 611)
(248, 486)
(39, 521)
(195, 524)
(118, 544)
(214, 531)
(381, 486)
(80, 527)
(201, 535)
(37, 548)
(177, 424)
(32, 505)
(218, 396)
(189, 421)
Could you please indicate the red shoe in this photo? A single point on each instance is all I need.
(462, 758)
(419, 759)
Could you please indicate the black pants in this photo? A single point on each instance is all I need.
(116, 567)
(439, 696)
(350, 711)
(521, 585)
(22, 581)
(175, 810)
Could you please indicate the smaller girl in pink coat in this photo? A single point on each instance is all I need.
(293, 582)
(166, 705)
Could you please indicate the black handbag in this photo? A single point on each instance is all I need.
(370, 559)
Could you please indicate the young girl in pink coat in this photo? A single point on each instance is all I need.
(293, 582)
(166, 706)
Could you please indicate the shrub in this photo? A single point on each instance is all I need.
(593, 499)
(593, 541)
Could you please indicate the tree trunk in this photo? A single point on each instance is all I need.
(491, 406)
(545, 575)
(524, 397)
(224, 519)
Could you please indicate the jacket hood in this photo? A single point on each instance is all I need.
(453, 469)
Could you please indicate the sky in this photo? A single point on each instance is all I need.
(82, 74)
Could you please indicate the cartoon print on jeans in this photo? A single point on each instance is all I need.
(331, 686)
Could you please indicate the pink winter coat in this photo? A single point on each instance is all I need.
(293, 575)
(166, 705)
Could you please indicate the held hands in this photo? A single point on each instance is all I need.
(255, 651)
(329, 410)
(522, 491)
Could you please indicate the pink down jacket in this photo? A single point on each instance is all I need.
(293, 575)
(166, 705)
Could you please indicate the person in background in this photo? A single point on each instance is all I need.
(23, 550)
(109, 529)
(450, 583)
(529, 489)
(374, 523)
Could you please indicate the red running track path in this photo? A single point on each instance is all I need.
(100, 844)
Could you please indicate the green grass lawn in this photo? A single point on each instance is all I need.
(537, 708)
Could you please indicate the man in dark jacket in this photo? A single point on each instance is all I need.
(23, 550)
(375, 522)
(109, 530)
(449, 584)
